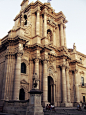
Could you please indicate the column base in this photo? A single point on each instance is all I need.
(55, 104)
(76, 103)
(33, 110)
(66, 104)
(44, 103)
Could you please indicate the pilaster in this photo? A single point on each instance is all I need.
(68, 85)
(37, 69)
(38, 22)
(61, 34)
(45, 23)
(77, 95)
(64, 27)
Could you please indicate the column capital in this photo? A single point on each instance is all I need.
(63, 66)
(36, 60)
(64, 26)
(38, 9)
(75, 71)
(19, 54)
(45, 11)
(67, 67)
(45, 61)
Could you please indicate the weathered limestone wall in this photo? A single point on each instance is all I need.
(2, 65)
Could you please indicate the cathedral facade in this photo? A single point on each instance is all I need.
(37, 45)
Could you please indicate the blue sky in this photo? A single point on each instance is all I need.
(74, 10)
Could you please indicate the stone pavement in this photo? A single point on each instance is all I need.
(61, 111)
(65, 111)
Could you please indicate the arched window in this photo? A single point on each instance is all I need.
(49, 34)
(23, 68)
(22, 94)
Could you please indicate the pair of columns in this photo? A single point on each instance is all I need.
(65, 84)
(38, 23)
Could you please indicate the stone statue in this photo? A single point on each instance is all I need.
(74, 47)
(22, 20)
(49, 35)
(35, 80)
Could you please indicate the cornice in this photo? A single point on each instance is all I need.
(35, 47)
(7, 41)
(74, 61)
(82, 66)
(81, 54)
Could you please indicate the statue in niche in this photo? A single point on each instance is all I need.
(22, 19)
(48, 35)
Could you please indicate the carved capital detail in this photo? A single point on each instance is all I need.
(19, 54)
(37, 60)
(45, 62)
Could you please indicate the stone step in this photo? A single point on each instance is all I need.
(65, 112)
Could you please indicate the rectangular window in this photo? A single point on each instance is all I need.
(83, 98)
(82, 81)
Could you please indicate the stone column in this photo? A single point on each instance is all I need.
(31, 72)
(45, 24)
(5, 79)
(77, 95)
(59, 85)
(45, 83)
(51, 93)
(64, 35)
(61, 34)
(68, 85)
(58, 37)
(38, 23)
(17, 77)
(64, 84)
(54, 41)
(54, 93)
(37, 69)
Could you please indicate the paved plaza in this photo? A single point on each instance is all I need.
(60, 111)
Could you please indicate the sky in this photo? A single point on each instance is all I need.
(74, 10)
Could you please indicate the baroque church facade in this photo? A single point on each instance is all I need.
(37, 45)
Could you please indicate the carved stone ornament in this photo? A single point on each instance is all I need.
(51, 21)
(81, 72)
(28, 30)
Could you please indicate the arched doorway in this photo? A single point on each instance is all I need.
(22, 94)
(50, 90)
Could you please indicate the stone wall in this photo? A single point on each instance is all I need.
(16, 107)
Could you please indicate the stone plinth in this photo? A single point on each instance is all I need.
(35, 107)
